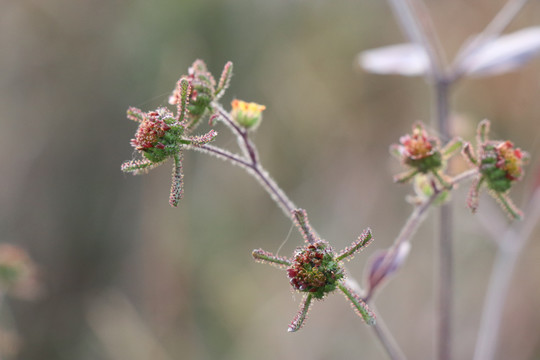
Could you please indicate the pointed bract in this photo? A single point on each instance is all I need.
(363, 240)
(139, 167)
(482, 132)
(177, 186)
(203, 139)
(358, 305)
(224, 80)
(474, 194)
(452, 147)
(183, 90)
(300, 317)
(508, 205)
(135, 114)
(267, 257)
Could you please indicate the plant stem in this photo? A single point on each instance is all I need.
(495, 298)
(256, 170)
(386, 340)
(509, 248)
(411, 27)
(445, 282)
(417, 34)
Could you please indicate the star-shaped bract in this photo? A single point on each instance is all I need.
(161, 135)
(316, 270)
(499, 164)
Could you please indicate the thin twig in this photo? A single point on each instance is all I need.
(445, 283)
(220, 153)
(386, 339)
(509, 249)
(413, 223)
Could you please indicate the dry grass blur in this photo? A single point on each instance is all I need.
(128, 277)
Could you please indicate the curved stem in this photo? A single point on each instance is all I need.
(274, 190)
(255, 170)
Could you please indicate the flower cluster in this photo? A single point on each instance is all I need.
(204, 90)
(419, 150)
(162, 135)
(423, 154)
(499, 164)
(317, 270)
(157, 135)
(502, 164)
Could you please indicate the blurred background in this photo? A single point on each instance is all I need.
(125, 276)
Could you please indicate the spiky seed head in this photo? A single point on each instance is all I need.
(158, 135)
(315, 270)
(151, 130)
(501, 164)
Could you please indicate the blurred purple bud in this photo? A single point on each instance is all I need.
(384, 263)
(401, 59)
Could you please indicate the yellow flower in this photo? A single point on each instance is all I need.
(247, 115)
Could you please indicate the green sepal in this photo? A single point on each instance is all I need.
(453, 146)
(508, 206)
(426, 164)
(405, 176)
(441, 180)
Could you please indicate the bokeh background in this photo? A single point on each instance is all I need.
(125, 276)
